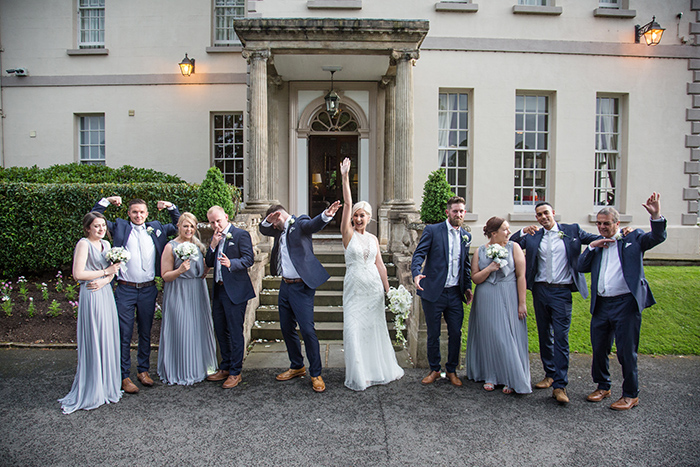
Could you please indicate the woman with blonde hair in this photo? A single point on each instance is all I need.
(369, 356)
(187, 353)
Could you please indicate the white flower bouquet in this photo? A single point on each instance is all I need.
(118, 254)
(186, 251)
(400, 301)
(497, 253)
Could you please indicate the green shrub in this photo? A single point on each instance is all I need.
(436, 192)
(214, 191)
(41, 223)
(78, 173)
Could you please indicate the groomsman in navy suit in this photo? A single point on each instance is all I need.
(230, 254)
(551, 258)
(619, 293)
(136, 287)
(444, 285)
(292, 257)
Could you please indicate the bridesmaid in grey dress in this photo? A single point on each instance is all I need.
(98, 377)
(187, 353)
(497, 349)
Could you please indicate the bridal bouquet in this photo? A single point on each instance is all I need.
(400, 301)
(498, 254)
(118, 255)
(186, 251)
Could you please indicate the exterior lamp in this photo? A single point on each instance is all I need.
(187, 66)
(651, 31)
(332, 98)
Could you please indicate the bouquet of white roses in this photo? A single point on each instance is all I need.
(497, 253)
(118, 254)
(186, 251)
(400, 301)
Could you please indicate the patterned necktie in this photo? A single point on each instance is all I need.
(550, 258)
(143, 245)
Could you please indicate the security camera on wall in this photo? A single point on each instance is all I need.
(18, 71)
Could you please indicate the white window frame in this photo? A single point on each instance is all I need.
(534, 2)
(219, 13)
(453, 140)
(91, 12)
(91, 139)
(532, 156)
(607, 157)
(611, 4)
(228, 151)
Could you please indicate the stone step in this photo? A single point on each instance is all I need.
(340, 257)
(324, 331)
(338, 269)
(334, 283)
(322, 297)
(321, 314)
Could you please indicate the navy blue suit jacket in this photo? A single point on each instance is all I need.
(301, 250)
(433, 249)
(573, 238)
(238, 249)
(120, 230)
(631, 249)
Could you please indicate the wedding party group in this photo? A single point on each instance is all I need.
(118, 289)
(547, 260)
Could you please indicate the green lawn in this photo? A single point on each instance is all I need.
(672, 326)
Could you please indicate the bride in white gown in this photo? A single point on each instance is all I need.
(369, 355)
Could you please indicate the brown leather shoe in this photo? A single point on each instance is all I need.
(145, 379)
(598, 395)
(232, 381)
(454, 379)
(545, 383)
(220, 375)
(129, 387)
(560, 395)
(291, 373)
(318, 384)
(625, 403)
(432, 376)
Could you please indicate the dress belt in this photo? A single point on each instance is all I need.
(555, 286)
(138, 285)
(292, 281)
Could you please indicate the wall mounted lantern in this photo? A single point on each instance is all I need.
(332, 98)
(187, 66)
(651, 31)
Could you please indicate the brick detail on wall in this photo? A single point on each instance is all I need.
(692, 140)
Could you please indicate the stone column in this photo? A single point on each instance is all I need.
(403, 174)
(258, 192)
(274, 84)
(389, 84)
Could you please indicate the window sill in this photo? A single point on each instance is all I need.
(458, 7)
(470, 217)
(334, 4)
(624, 218)
(87, 51)
(537, 10)
(614, 13)
(224, 49)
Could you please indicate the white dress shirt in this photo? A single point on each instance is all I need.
(561, 272)
(219, 249)
(142, 265)
(454, 249)
(611, 280)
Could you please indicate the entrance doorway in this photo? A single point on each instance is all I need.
(326, 152)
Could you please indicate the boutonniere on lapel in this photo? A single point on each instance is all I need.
(228, 236)
(562, 234)
(149, 230)
(465, 240)
(291, 224)
(617, 236)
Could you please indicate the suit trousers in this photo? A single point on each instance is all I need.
(228, 319)
(553, 315)
(296, 306)
(618, 318)
(142, 303)
(450, 306)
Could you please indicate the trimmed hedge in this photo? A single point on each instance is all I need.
(436, 192)
(79, 173)
(41, 223)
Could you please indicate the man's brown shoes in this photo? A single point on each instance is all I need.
(318, 384)
(560, 395)
(598, 395)
(454, 379)
(291, 373)
(220, 375)
(145, 379)
(545, 383)
(232, 381)
(625, 403)
(432, 376)
(129, 387)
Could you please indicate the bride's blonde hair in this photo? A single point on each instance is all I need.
(364, 205)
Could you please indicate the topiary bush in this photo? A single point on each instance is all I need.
(436, 192)
(215, 191)
(79, 173)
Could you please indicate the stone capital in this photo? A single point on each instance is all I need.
(387, 80)
(256, 54)
(400, 55)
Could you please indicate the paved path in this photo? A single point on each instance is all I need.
(265, 422)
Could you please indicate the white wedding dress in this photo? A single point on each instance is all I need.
(369, 355)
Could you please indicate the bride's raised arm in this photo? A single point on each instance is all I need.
(345, 222)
